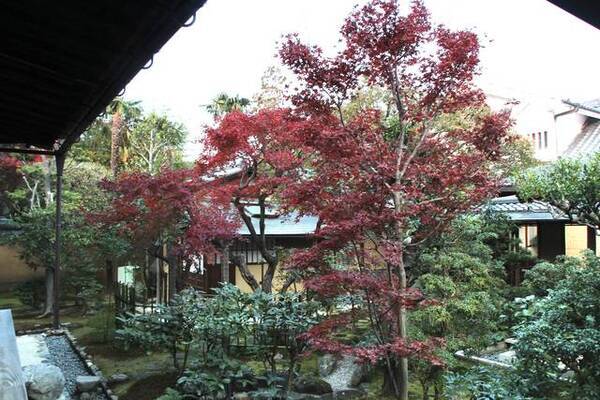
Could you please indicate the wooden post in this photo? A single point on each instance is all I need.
(60, 163)
(225, 264)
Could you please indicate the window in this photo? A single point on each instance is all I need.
(539, 134)
(528, 235)
(545, 139)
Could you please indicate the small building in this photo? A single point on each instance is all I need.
(555, 128)
(545, 231)
(282, 233)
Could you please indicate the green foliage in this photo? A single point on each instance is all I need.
(518, 156)
(102, 325)
(572, 186)
(462, 273)
(170, 328)
(215, 376)
(223, 104)
(559, 343)
(171, 394)
(36, 242)
(214, 327)
(463, 276)
(545, 276)
(84, 249)
(155, 142)
(480, 383)
(94, 145)
(31, 293)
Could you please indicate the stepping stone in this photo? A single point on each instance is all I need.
(87, 383)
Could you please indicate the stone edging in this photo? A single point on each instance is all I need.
(461, 354)
(81, 353)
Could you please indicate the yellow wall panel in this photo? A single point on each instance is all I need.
(575, 240)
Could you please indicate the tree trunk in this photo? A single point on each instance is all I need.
(267, 282)
(390, 385)
(437, 391)
(402, 331)
(49, 302)
(240, 262)
(116, 132)
(401, 273)
(48, 198)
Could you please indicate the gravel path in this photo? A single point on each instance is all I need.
(63, 356)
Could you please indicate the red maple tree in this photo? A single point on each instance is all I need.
(250, 158)
(172, 209)
(10, 179)
(382, 183)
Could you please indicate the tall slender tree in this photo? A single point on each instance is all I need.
(223, 104)
(122, 114)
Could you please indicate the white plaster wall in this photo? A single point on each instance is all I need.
(568, 127)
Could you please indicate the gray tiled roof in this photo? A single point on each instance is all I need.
(586, 143)
(590, 105)
(517, 211)
(290, 224)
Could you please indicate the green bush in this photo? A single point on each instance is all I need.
(481, 383)
(31, 293)
(559, 338)
(103, 324)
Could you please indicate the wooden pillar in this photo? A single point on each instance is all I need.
(225, 265)
(60, 163)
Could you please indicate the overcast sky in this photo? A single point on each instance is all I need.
(531, 48)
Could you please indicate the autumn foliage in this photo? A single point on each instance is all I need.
(381, 180)
(169, 208)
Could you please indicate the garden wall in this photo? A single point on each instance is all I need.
(13, 270)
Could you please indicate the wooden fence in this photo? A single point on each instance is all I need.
(130, 300)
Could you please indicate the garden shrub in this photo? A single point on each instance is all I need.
(171, 327)
(545, 276)
(217, 328)
(559, 338)
(31, 293)
(484, 383)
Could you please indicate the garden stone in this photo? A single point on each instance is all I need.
(349, 394)
(307, 396)
(311, 385)
(118, 378)
(87, 383)
(43, 381)
(11, 377)
(347, 373)
(326, 364)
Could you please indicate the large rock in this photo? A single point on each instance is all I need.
(43, 381)
(347, 373)
(311, 385)
(87, 383)
(326, 364)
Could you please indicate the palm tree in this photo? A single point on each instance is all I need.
(224, 104)
(122, 113)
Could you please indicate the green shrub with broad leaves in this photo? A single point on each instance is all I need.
(559, 338)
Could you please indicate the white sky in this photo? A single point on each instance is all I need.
(533, 48)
